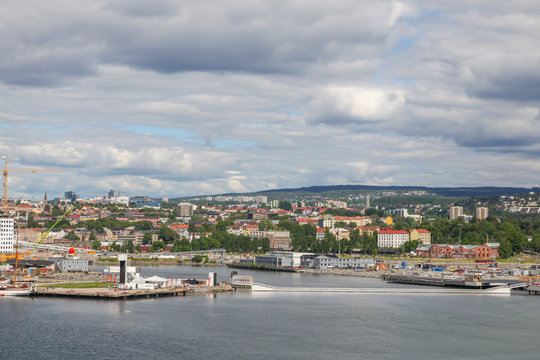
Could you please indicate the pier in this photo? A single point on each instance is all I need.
(117, 294)
(451, 282)
(264, 288)
(105, 293)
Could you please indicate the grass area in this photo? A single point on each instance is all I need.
(81, 285)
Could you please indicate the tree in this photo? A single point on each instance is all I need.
(144, 225)
(158, 246)
(197, 258)
(340, 224)
(147, 238)
(409, 246)
(96, 244)
(130, 247)
(168, 235)
(56, 211)
(63, 224)
(115, 247)
(72, 237)
(222, 225)
(505, 249)
(32, 223)
(181, 245)
(285, 205)
(265, 245)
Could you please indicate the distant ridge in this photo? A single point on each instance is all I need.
(441, 191)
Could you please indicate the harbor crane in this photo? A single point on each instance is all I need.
(5, 173)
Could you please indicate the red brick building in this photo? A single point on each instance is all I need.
(456, 251)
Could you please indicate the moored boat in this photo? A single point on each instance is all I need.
(16, 290)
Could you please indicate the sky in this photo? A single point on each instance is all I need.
(178, 98)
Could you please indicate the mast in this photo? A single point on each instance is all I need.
(16, 259)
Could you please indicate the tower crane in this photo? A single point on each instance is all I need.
(5, 173)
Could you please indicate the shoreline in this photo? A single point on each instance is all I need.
(158, 262)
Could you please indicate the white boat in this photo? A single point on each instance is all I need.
(15, 290)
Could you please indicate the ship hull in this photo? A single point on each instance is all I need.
(9, 291)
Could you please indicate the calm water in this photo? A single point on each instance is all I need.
(273, 326)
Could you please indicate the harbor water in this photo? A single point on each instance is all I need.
(242, 325)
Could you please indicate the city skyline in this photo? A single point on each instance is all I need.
(183, 98)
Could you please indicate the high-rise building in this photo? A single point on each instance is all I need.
(113, 194)
(7, 235)
(455, 212)
(481, 213)
(185, 209)
(71, 195)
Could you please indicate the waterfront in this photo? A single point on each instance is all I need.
(274, 326)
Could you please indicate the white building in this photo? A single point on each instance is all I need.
(332, 261)
(392, 238)
(400, 212)
(326, 222)
(7, 235)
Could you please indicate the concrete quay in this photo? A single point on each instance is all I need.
(117, 294)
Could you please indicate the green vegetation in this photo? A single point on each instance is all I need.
(96, 244)
(81, 285)
(167, 235)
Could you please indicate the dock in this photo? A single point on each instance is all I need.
(116, 294)
(264, 288)
(448, 282)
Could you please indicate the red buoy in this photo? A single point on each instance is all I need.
(71, 250)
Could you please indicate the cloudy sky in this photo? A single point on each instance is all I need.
(172, 98)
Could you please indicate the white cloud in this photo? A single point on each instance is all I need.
(348, 104)
(181, 98)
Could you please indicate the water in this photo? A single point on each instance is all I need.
(273, 326)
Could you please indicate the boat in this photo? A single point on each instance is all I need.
(16, 290)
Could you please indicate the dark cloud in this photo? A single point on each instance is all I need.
(508, 78)
(56, 44)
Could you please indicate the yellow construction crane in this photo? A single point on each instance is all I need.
(6, 171)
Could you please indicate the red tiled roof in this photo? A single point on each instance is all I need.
(395, 232)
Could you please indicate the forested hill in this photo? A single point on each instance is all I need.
(442, 191)
(344, 190)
